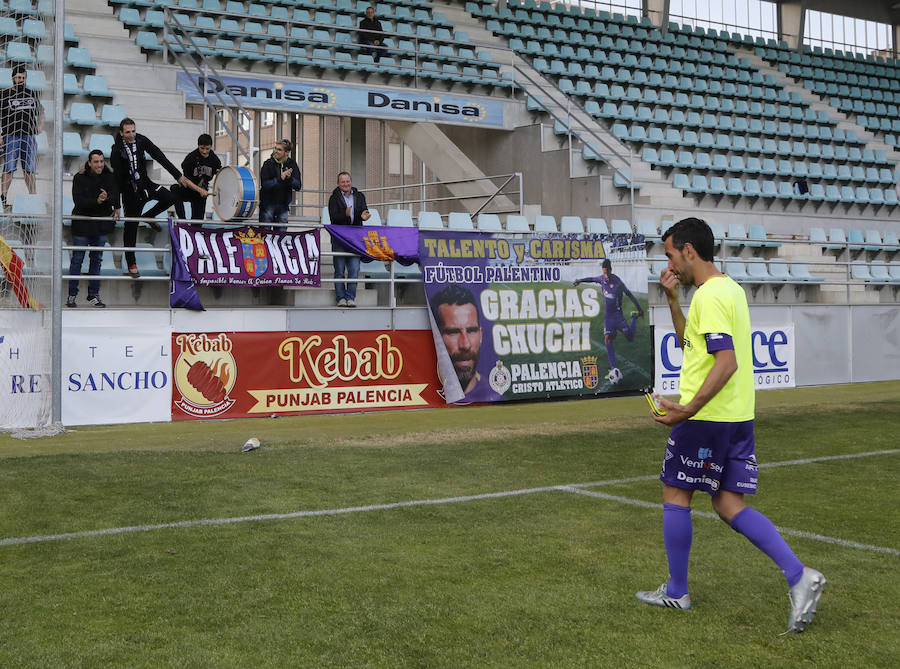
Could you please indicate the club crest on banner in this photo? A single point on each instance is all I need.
(589, 371)
(377, 246)
(500, 378)
(253, 250)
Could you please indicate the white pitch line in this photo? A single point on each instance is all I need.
(708, 514)
(15, 541)
(574, 487)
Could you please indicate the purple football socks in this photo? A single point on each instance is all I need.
(611, 354)
(763, 534)
(678, 533)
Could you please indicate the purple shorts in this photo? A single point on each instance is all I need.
(615, 322)
(711, 456)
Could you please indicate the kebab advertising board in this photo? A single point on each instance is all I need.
(244, 374)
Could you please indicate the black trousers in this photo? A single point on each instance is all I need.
(133, 203)
(184, 196)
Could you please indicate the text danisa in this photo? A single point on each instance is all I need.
(219, 253)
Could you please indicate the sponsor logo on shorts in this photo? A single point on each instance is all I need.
(701, 464)
(742, 484)
(699, 480)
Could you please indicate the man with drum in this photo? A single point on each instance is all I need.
(200, 166)
(279, 177)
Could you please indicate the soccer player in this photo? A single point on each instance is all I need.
(613, 320)
(711, 446)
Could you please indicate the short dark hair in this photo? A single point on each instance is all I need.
(204, 140)
(693, 231)
(126, 121)
(452, 294)
(606, 264)
(343, 172)
(94, 152)
(19, 69)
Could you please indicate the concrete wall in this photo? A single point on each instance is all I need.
(543, 172)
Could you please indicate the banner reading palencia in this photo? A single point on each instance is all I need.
(543, 316)
(242, 374)
(248, 256)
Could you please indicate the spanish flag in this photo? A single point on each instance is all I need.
(13, 265)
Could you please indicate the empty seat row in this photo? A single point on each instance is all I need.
(855, 240)
(777, 271)
(84, 113)
(796, 169)
(462, 221)
(784, 190)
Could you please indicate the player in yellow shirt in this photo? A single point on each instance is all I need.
(711, 446)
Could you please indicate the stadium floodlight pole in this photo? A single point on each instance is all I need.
(56, 252)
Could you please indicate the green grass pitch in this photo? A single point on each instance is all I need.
(544, 578)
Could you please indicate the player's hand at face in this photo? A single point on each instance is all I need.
(669, 281)
(675, 413)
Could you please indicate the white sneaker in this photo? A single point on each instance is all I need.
(659, 597)
(351, 303)
(342, 303)
(804, 596)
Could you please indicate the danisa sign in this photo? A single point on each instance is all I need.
(377, 102)
(773, 359)
(242, 374)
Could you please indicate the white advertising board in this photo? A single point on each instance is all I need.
(116, 375)
(773, 358)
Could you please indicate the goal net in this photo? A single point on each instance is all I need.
(27, 101)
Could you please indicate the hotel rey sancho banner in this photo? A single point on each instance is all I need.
(527, 317)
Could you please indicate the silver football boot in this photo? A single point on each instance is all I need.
(659, 597)
(804, 596)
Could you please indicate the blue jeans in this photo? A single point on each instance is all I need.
(345, 267)
(274, 213)
(93, 267)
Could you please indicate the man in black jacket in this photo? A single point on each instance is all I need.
(200, 166)
(346, 206)
(370, 34)
(279, 177)
(96, 194)
(130, 166)
(20, 122)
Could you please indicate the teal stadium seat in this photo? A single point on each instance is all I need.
(571, 224)
(460, 221)
(488, 223)
(430, 220)
(517, 223)
(400, 218)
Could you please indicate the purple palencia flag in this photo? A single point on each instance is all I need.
(182, 292)
(379, 242)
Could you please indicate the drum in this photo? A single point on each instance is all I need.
(234, 193)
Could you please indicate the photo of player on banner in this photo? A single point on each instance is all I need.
(545, 316)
